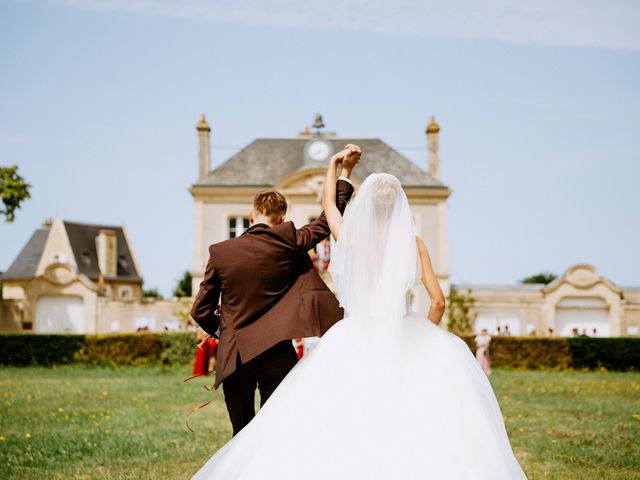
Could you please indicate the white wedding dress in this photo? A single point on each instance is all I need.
(384, 394)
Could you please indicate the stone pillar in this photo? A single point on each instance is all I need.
(204, 147)
(433, 147)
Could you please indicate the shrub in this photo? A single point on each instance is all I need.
(23, 350)
(618, 353)
(19, 349)
(178, 348)
(531, 353)
(131, 349)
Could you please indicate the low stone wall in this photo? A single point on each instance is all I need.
(10, 316)
(156, 316)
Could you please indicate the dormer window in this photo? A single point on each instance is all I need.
(85, 258)
(122, 262)
(60, 257)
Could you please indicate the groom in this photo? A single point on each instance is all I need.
(270, 293)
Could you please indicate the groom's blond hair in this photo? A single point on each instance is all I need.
(270, 203)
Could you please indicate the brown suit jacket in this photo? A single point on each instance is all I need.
(269, 289)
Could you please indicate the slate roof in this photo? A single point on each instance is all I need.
(82, 238)
(267, 161)
(83, 243)
(26, 263)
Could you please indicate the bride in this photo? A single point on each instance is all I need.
(386, 394)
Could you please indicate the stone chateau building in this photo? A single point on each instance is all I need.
(79, 278)
(580, 299)
(223, 197)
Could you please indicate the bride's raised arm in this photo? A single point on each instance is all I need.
(430, 282)
(349, 158)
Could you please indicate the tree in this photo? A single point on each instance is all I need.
(13, 191)
(151, 293)
(183, 288)
(544, 278)
(459, 312)
(183, 314)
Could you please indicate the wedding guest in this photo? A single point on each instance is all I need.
(574, 332)
(551, 332)
(482, 350)
(507, 332)
(533, 333)
(499, 330)
(205, 353)
(299, 344)
(595, 332)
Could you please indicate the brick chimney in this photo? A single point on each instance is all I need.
(204, 147)
(107, 248)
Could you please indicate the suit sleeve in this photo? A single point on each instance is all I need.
(206, 302)
(314, 232)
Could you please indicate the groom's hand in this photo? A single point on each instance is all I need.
(351, 158)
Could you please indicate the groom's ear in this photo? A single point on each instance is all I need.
(281, 220)
(251, 217)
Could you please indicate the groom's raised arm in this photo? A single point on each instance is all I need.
(316, 231)
(204, 307)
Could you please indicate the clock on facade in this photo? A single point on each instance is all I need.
(319, 150)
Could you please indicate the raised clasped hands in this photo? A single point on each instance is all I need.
(349, 156)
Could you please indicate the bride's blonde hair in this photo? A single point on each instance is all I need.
(385, 191)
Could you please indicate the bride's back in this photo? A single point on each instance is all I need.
(375, 259)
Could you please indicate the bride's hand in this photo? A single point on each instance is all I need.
(352, 157)
(350, 152)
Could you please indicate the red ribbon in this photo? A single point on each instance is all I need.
(208, 389)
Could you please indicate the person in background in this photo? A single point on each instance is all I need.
(205, 353)
(507, 332)
(550, 332)
(299, 344)
(482, 350)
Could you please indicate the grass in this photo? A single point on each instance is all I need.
(82, 422)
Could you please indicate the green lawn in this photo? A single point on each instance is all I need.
(84, 422)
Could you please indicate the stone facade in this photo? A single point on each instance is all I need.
(80, 278)
(581, 299)
(223, 197)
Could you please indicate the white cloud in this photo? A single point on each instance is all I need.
(589, 23)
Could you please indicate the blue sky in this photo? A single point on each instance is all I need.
(539, 108)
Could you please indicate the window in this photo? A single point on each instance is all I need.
(106, 291)
(237, 226)
(60, 257)
(122, 262)
(125, 293)
(85, 258)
